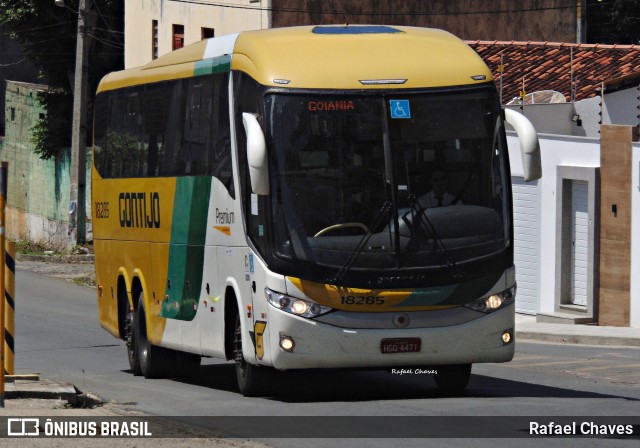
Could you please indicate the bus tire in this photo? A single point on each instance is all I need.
(452, 379)
(154, 360)
(130, 341)
(249, 376)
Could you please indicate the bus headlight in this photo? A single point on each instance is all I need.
(294, 305)
(494, 302)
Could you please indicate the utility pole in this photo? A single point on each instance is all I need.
(581, 22)
(78, 175)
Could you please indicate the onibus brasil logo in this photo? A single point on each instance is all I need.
(31, 427)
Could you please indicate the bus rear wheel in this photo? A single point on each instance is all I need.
(452, 379)
(154, 360)
(130, 341)
(249, 377)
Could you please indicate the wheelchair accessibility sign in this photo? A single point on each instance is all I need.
(400, 109)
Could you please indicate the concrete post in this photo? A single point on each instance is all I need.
(77, 197)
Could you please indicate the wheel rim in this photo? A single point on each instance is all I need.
(128, 331)
(143, 342)
(237, 351)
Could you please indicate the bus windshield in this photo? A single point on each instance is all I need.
(387, 181)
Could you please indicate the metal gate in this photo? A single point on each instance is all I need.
(526, 238)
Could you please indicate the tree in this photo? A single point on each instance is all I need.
(613, 21)
(47, 36)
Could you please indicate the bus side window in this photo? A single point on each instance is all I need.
(248, 100)
(219, 147)
(155, 118)
(170, 128)
(100, 154)
(192, 147)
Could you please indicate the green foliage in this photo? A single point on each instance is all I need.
(47, 36)
(31, 248)
(53, 130)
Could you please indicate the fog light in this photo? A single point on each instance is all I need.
(506, 337)
(286, 343)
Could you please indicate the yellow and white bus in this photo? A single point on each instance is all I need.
(308, 197)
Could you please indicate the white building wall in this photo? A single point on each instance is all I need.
(555, 150)
(621, 107)
(552, 118)
(589, 112)
(235, 16)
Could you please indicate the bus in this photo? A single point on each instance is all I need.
(267, 198)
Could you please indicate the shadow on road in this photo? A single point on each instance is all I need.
(311, 386)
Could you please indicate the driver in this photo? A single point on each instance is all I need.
(438, 196)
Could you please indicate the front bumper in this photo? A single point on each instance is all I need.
(319, 345)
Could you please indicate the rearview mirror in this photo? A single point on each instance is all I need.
(256, 154)
(529, 144)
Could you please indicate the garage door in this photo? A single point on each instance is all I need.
(526, 250)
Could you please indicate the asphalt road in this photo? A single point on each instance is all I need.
(58, 335)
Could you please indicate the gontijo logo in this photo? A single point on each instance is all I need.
(139, 209)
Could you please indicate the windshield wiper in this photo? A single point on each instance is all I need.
(384, 210)
(420, 212)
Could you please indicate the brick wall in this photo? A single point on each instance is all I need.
(528, 20)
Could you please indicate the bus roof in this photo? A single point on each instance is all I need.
(324, 57)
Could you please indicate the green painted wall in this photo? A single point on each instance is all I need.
(38, 190)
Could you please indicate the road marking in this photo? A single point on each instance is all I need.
(610, 367)
(551, 363)
(526, 357)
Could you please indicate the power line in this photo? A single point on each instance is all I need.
(109, 43)
(13, 63)
(376, 14)
(55, 25)
(107, 30)
(58, 37)
(34, 29)
(106, 22)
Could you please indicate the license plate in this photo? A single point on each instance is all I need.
(400, 345)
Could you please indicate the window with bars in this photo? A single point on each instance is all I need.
(154, 39)
(178, 36)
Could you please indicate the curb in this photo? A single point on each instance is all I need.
(33, 387)
(42, 389)
(578, 339)
(67, 259)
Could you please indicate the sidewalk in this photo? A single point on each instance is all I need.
(528, 329)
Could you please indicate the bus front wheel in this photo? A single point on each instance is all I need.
(452, 379)
(250, 377)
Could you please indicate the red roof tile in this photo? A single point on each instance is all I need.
(548, 65)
